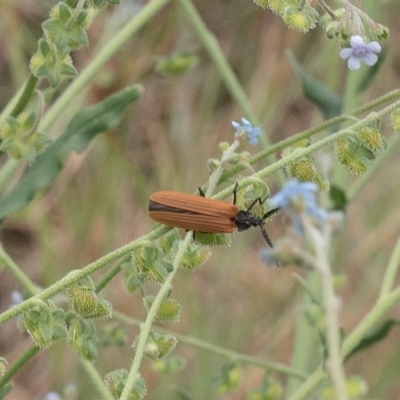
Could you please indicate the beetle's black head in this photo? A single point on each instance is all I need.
(245, 220)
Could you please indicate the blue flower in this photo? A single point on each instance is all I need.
(245, 126)
(52, 396)
(360, 51)
(292, 189)
(16, 298)
(299, 197)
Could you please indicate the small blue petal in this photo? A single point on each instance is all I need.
(16, 297)
(293, 189)
(246, 127)
(236, 125)
(354, 63)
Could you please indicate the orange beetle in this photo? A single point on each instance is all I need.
(201, 214)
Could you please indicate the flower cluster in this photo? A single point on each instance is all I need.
(245, 128)
(297, 197)
(298, 200)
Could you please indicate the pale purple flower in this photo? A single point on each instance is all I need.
(52, 396)
(360, 51)
(16, 298)
(245, 126)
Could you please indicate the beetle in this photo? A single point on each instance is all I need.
(201, 214)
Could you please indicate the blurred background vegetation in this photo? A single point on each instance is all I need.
(99, 202)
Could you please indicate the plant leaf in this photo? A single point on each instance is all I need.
(375, 335)
(84, 126)
(317, 92)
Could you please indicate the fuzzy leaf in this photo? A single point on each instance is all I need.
(85, 125)
(317, 92)
(213, 239)
(375, 335)
(167, 312)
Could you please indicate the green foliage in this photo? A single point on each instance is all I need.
(213, 239)
(3, 363)
(149, 261)
(395, 119)
(159, 345)
(20, 139)
(356, 388)
(229, 378)
(4, 390)
(102, 3)
(271, 389)
(86, 304)
(84, 126)
(64, 29)
(302, 19)
(113, 334)
(357, 150)
(167, 312)
(177, 64)
(116, 381)
(52, 63)
(316, 91)
(169, 365)
(338, 198)
(133, 280)
(45, 323)
(83, 339)
(194, 256)
(298, 15)
(304, 170)
(376, 335)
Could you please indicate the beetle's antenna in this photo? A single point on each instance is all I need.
(265, 234)
(266, 237)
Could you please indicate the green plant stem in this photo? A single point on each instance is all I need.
(217, 173)
(382, 306)
(321, 243)
(303, 355)
(218, 350)
(304, 151)
(110, 274)
(13, 268)
(391, 271)
(310, 132)
(17, 365)
(26, 95)
(333, 332)
(320, 260)
(303, 392)
(96, 380)
(107, 51)
(76, 275)
(213, 48)
(145, 328)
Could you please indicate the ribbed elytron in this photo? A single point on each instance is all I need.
(201, 214)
